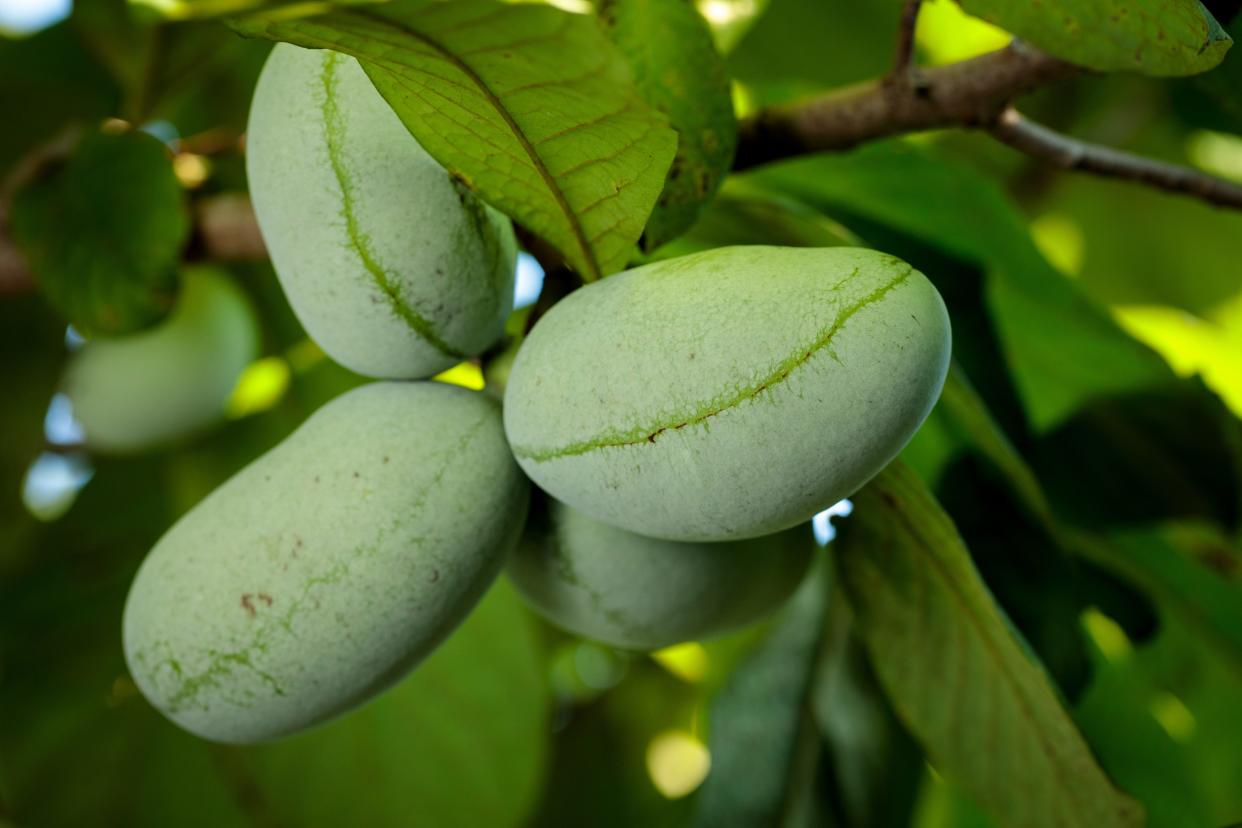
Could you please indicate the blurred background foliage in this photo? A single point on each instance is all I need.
(1088, 448)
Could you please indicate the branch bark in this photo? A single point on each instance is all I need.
(1038, 141)
(971, 93)
(903, 63)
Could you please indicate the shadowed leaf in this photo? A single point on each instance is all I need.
(987, 714)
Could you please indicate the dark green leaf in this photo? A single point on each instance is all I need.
(52, 80)
(103, 232)
(678, 71)
(737, 217)
(529, 105)
(1155, 37)
(876, 766)
(987, 714)
(1163, 717)
(461, 742)
(952, 206)
(763, 745)
(1224, 86)
(1193, 571)
(968, 414)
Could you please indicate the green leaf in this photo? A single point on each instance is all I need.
(1191, 569)
(875, 764)
(1224, 86)
(461, 742)
(103, 232)
(764, 746)
(952, 206)
(969, 416)
(1155, 37)
(678, 71)
(739, 217)
(529, 105)
(1163, 717)
(965, 686)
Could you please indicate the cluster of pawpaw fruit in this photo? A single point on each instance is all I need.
(682, 422)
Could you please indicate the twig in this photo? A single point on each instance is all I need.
(970, 93)
(1068, 153)
(903, 63)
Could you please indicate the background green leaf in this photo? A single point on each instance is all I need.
(986, 713)
(765, 746)
(460, 742)
(949, 205)
(103, 232)
(1155, 37)
(529, 105)
(678, 71)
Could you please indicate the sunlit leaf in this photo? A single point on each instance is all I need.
(527, 104)
(103, 232)
(678, 72)
(986, 713)
(1155, 37)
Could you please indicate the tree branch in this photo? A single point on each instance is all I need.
(1038, 141)
(903, 63)
(971, 93)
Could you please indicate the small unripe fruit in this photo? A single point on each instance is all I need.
(641, 593)
(727, 394)
(147, 389)
(393, 267)
(321, 573)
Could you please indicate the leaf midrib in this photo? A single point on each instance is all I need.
(494, 100)
(1006, 671)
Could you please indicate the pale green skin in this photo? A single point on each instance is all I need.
(137, 392)
(727, 394)
(641, 593)
(323, 572)
(393, 267)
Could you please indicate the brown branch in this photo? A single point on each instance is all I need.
(1068, 153)
(903, 63)
(970, 93)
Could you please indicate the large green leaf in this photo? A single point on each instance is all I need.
(965, 686)
(103, 232)
(875, 764)
(530, 105)
(1192, 570)
(461, 742)
(738, 217)
(679, 72)
(764, 743)
(969, 416)
(1156, 37)
(952, 206)
(1163, 717)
